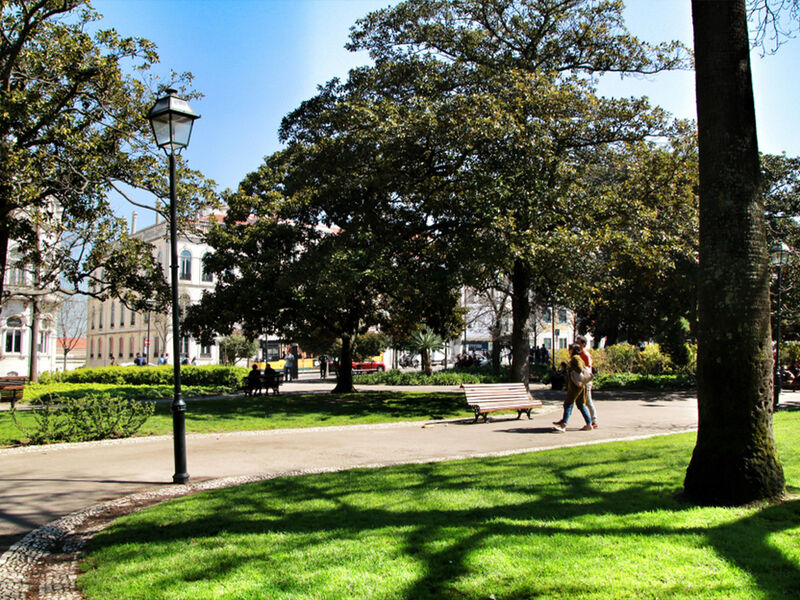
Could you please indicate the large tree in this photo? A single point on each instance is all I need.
(531, 63)
(735, 460)
(72, 129)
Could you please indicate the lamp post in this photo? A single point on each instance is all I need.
(779, 256)
(171, 119)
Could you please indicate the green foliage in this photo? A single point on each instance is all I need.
(369, 344)
(446, 377)
(651, 361)
(234, 348)
(221, 376)
(620, 358)
(606, 381)
(790, 353)
(71, 130)
(86, 418)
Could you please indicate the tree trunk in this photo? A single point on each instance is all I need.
(344, 374)
(496, 346)
(33, 364)
(425, 356)
(735, 460)
(520, 314)
(3, 253)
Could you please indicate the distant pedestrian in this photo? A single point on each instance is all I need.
(162, 360)
(288, 366)
(194, 360)
(323, 366)
(139, 360)
(113, 360)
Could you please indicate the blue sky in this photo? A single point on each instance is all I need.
(256, 60)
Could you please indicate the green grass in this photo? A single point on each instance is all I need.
(596, 522)
(243, 413)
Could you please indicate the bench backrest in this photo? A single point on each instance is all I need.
(13, 380)
(487, 393)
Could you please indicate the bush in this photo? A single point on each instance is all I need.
(446, 377)
(87, 418)
(620, 358)
(217, 375)
(651, 361)
(678, 381)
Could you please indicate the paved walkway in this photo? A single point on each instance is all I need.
(40, 484)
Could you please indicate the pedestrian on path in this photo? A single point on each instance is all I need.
(578, 375)
(587, 360)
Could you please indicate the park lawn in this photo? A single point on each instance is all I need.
(243, 413)
(600, 522)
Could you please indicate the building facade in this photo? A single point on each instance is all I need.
(27, 323)
(115, 334)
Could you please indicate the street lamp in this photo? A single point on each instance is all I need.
(779, 256)
(171, 119)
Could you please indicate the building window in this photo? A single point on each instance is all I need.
(205, 351)
(91, 317)
(562, 343)
(548, 315)
(185, 345)
(41, 345)
(206, 274)
(16, 276)
(100, 318)
(548, 343)
(130, 347)
(121, 315)
(562, 315)
(14, 335)
(100, 348)
(91, 349)
(186, 265)
(111, 347)
(121, 347)
(133, 318)
(113, 314)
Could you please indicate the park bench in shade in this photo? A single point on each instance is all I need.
(12, 387)
(492, 397)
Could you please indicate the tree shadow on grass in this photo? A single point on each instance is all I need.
(442, 515)
(380, 405)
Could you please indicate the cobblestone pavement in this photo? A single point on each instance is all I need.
(65, 493)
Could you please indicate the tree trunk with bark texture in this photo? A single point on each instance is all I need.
(735, 460)
(521, 311)
(344, 374)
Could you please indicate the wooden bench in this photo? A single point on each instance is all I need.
(266, 382)
(12, 387)
(491, 397)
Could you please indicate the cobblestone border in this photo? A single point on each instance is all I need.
(44, 564)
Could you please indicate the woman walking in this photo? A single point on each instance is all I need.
(577, 377)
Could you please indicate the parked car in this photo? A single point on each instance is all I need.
(368, 366)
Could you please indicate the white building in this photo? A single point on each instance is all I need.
(115, 334)
(23, 307)
(553, 327)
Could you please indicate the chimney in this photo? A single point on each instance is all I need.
(133, 222)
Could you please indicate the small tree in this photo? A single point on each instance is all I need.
(425, 342)
(234, 348)
(71, 323)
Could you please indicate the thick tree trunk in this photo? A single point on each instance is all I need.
(496, 346)
(520, 314)
(344, 374)
(3, 254)
(735, 460)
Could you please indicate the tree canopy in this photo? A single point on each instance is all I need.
(72, 129)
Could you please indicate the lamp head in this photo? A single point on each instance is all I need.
(171, 119)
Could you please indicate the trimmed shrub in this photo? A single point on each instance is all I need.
(651, 361)
(215, 375)
(87, 418)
